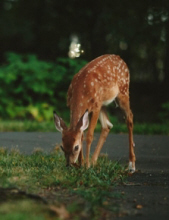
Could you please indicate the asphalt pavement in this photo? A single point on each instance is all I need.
(146, 195)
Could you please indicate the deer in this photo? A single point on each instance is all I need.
(99, 83)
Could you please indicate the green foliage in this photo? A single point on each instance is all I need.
(48, 126)
(164, 114)
(30, 88)
(146, 128)
(27, 125)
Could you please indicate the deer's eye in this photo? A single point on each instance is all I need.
(62, 148)
(76, 148)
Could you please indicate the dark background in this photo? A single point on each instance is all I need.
(138, 31)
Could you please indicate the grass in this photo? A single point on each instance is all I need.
(39, 187)
(15, 125)
(139, 128)
(22, 210)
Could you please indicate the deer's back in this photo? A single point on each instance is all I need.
(99, 82)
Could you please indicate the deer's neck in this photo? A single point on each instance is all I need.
(76, 112)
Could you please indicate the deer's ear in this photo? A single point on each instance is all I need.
(59, 123)
(83, 122)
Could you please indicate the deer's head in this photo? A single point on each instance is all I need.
(71, 137)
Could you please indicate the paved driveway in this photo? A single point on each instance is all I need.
(152, 151)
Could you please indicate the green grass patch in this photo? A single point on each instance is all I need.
(27, 125)
(22, 210)
(48, 126)
(43, 184)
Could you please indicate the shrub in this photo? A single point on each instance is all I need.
(164, 114)
(31, 88)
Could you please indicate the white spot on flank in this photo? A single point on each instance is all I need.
(92, 83)
(81, 104)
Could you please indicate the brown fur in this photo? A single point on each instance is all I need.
(97, 84)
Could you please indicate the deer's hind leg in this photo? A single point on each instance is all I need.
(124, 104)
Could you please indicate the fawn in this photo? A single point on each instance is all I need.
(96, 85)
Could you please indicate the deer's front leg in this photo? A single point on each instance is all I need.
(89, 136)
(81, 158)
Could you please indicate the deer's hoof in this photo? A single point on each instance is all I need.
(131, 167)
